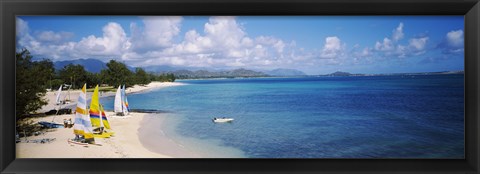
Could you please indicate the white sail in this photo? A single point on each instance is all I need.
(118, 105)
(58, 95)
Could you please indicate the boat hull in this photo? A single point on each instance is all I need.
(222, 120)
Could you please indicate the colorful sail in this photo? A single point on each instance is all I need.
(95, 109)
(83, 125)
(125, 99)
(124, 106)
(105, 122)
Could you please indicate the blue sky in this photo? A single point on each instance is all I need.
(313, 44)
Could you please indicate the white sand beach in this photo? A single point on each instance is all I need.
(124, 144)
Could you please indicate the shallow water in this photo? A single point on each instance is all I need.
(316, 117)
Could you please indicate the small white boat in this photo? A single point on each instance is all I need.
(222, 120)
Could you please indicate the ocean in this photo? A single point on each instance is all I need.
(415, 116)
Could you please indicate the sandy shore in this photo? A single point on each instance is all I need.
(125, 144)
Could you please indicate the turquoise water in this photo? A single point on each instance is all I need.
(319, 117)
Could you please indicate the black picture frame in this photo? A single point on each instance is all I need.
(10, 8)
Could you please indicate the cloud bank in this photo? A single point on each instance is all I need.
(223, 43)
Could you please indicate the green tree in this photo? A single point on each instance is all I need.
(171, 77)
(141, 77)
(118, 74)
(93, 79)
(31, 83)
(55, 83)
(168, 77)
(74, 75)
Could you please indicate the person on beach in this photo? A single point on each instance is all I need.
(69, 123)
(65, 123)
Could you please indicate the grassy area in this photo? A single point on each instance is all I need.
(103, 89)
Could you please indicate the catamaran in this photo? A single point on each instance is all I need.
(98, 117)
(121, 104)
(60, 102)
(83, 127)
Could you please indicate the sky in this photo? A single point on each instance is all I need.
(312, 44)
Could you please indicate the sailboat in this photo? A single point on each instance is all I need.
(53, 124)
(59, 92)
(83, 127)
(96, 116)
(120, 106)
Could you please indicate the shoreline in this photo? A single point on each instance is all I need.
(125, 144)
(51, 95)
(169, 142)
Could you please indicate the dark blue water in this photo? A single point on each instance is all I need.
(321, 117)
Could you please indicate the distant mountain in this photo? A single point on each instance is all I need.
(160, 68)
(187, 74)
(280, 72)
(167, 68)
(340, 73)
(90, 65)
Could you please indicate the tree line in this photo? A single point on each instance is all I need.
(33, 78)
(115, 74)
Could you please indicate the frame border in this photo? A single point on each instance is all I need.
(10, 8)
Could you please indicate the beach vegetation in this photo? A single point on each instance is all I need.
(141, 77)
(117, 74)
(74, 75)
(31, 80)
(164, 77)
(27, 127)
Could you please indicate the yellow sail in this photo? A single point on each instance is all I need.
(95, 109)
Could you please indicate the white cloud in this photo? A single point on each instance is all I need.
(53, 37)
(418, 44)
(453, 43)
(365, 52)
(224, 42)
(333, 48)
(111, 44)
(21, 27)
(398, 32)
(393, 48)
(225, 31)
(386, 45)
(157, 33)
(455, 38)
